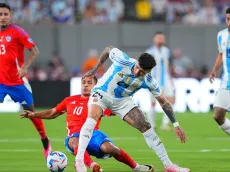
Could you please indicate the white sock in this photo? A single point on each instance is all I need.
(226, 126)
(85, 136)
(155, 144)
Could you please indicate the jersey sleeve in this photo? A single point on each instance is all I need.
(25, 39)
(119, 58)
(153, 86)
(219, 40)
(61, 107)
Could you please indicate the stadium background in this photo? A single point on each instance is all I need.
(70, 33)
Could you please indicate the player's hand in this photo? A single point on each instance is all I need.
(22, 71)
(27, 114)
(180, 134)
(212, 77)
(90, 73)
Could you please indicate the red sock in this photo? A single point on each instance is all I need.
(126, 159)
(39, 126)
(87, 160)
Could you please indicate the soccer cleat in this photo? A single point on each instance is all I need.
(48, 150)
(95, 167)
(176, 168)
(80, 166)
(143, 168)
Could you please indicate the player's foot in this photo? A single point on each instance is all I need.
(95, 167)
(47, 147)
(80, 166)
(176, 168)
(143, 168)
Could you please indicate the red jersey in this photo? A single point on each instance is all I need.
(76, 108)
(12, 43)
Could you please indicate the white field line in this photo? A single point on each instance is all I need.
(142, 150)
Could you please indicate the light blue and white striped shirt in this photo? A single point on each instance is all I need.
(161, 71)
(223, 41)
(119, 80)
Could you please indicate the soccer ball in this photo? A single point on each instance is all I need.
(57, 161)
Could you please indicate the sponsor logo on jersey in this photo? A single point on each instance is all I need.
(24, 103)
(127, 80)
(30, 40)
(8, 38)
(72, 103)
(135, 84)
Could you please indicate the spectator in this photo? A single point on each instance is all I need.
(144, 10)
(115, 10)
(191, 18)
(208, 13)
(37, 74)
(91, 62)
(183, 65)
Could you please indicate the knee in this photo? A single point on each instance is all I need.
(144, 126)
(108, 148)
(219, 115)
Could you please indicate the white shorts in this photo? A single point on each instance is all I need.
(222, 98)
(119, 106)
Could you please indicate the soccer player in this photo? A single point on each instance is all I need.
(13, 68)
(161, 72)
(222, 99)
(124, 77)
(100, 145)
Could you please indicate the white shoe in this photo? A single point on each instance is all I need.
(176, 168)
(80, 166)
(143, 168)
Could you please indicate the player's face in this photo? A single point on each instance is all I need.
(159, 40)
(227, 18)
(138, 71)
(87, 85)
(5, 17)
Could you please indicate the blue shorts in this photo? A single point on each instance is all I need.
(95, 143)
(19, 93)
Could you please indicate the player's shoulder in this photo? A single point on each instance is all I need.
(117, 52)
(72, 98)
(150, 49)
(18, 30)
(223, 31)
(150, 80)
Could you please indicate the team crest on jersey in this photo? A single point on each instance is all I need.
(8, 38)
(30, 40)
(228, 43)
(135, 84)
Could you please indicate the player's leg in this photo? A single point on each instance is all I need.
(38, 124)
(221, 104)
(95, 110)
(23, 95)
(71, 144)
(121, 156)
(134, 117)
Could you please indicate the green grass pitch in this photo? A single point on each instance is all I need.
(207, 149)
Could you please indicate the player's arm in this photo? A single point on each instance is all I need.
(217, 65)
(219, 59)
(171, 115)
(32, 56)
(47, 114)
(103, 57)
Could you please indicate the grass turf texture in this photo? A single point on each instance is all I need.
(207, 149)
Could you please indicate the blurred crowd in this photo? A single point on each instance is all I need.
(55, 70)
(189, 12)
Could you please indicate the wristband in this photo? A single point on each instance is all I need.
(176, 124)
